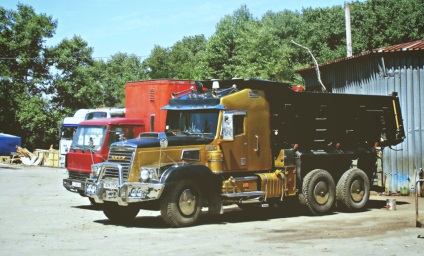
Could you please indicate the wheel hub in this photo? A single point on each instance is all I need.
(321, 192)
(187, 202)
(357, 190)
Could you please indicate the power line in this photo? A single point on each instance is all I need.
(39, 58)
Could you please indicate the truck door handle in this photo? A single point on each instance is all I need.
(257, 143)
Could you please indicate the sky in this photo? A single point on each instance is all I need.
(136, 26)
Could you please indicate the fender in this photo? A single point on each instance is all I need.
(201, 174)
(196, 172)
(209, 183)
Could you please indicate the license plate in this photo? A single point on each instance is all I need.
(111, 194)
(110, 185)
(76, 184)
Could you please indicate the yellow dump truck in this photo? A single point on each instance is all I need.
(250, 142)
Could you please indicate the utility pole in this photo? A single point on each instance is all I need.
(348, 31)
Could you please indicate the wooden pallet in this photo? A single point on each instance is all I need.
(5, 159)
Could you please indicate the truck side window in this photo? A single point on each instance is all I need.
(238, 124)
(233, 124)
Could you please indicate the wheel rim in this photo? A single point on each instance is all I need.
(357, 190)
(321, 192)
(187, 202)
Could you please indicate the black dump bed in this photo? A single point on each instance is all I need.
(323, 120)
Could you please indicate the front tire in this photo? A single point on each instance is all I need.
(319, 191)
(120, 214)
(353, 190)
(182, 204)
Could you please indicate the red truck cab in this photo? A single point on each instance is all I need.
(91, 145)
(143, 102)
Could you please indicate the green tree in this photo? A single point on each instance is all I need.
(324, 33)
(24, 72)
(157, 64)
(186, 58)
(265, 50)
(39, 123)
(223, 46)
(379, 23)
(73, 86)
(113, 74)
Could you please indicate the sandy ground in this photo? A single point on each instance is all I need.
(40, 217)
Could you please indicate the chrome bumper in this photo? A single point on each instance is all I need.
(74, 185)
(116, 190)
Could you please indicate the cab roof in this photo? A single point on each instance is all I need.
(114, 121)
(205, 96)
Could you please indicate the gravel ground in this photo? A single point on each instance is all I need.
(40, 217)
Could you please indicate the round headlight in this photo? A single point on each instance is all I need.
(145, 175)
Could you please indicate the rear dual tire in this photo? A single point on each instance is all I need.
(318, 191)
(353, 190)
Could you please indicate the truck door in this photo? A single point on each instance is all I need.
(234, 140)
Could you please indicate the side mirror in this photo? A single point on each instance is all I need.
(227, 127)
(91, 142)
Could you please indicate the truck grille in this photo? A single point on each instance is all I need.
(123, 156)
(78, 175)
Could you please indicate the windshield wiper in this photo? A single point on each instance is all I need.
(73, 147)
(196, 133)
(82, 148)
(87, 147)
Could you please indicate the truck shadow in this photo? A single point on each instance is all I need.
(378, 204)
(92, 207)
(238, 215)
(154, 222)
(231, 215)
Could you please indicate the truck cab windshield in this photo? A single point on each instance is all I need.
(68, 132)
(198, 122)
(89, 137)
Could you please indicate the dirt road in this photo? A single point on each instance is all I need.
(39, 217)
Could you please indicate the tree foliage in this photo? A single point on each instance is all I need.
(111, 76)
(323, 31)
(24, 71)
(224, 46)
(72, 86)
(379, 23)
(157, 64)
(186, 57)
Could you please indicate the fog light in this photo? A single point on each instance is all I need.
(139, 192)
(133, 192)
(91, 189)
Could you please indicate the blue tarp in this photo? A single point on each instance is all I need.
(8, 144)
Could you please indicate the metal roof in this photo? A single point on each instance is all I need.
(410, 46)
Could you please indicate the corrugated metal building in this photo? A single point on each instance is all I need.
(397, 68)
